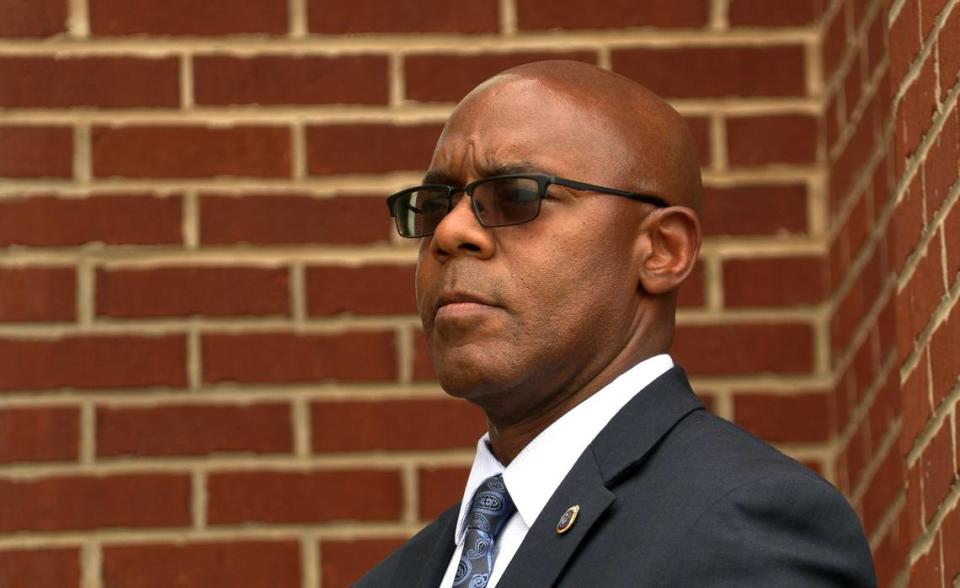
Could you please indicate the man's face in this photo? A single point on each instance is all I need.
(516, 317)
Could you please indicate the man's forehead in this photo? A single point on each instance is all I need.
(516, 126)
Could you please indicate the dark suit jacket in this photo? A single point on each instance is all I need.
(670, 495)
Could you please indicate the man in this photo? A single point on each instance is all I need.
(557, 220)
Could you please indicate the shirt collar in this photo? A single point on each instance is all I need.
(534, 475)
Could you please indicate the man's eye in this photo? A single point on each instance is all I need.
(522, 194)
(515, 193)
(433, 205)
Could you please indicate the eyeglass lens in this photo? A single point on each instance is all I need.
(497, 202)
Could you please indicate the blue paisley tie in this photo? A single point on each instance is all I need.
(490, 509)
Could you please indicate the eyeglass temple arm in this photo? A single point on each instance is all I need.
(649, 199)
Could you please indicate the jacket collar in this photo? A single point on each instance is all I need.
(616, 451)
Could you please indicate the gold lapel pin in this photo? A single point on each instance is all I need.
(569, 517)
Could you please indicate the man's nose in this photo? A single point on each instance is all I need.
(460, 232)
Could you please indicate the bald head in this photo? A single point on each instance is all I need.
(659, 150)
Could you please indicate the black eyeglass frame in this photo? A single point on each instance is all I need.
(544, 181)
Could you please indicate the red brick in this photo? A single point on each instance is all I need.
(904, 41)
(944, 351)
(858, 227)
(951, 231)
(700, 130)
(876, 42)
(304, 497)
(929, 10)
(81, 502)
(880, 107)
(395, 424)
(855, 457)
(887, 483)
(938, 470)
(369, 148)
(440, 488)
(886, 327)
(58, 566)
(186, 17)
(288, 357)
(118, 219)
(777, 281)
(774, 139)
(369, 289)
(885, 409)
(949, 53)
(115, 361)
(37, 293)
(449, 77)
(108, 82)
(781, 348)
(39, 434)
(951, 544)
(273, 79)
(853, 82)
(288, 219)
(332, 17)
(422, 364)
(892, 551)
(345, 562)
(755, 210)
(909, 221)
(693, 291)
(920, 297)
(763, 13)
(916, 109)
(32, 18)
(831, 127)
(914, 505)
(716, 71)
(915, 400)
(569, 14)
(847, 315)
(36, 152)
(927, 572)
(864, 369)
(191, 151)
(183, 291)
(251, 564)
(941, 168)
(852, 160)
(194, 429)
(834, 44)
(793, 418)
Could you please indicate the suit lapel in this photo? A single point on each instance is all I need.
(431, 556)
(617, 450)
(544, 552)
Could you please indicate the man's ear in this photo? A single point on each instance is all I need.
(671, 242)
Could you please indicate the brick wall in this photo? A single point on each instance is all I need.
(211, 371)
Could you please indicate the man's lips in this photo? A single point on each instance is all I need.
(453, 303)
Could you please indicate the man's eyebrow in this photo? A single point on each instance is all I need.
(504, 169)
(436, 176)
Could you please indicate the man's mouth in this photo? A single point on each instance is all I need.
(461, 304)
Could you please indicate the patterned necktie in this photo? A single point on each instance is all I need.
(490, 509)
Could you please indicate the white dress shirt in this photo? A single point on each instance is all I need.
(534, 475)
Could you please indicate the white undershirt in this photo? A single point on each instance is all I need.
(534, 475)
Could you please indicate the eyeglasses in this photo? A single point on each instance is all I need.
(498, 201)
